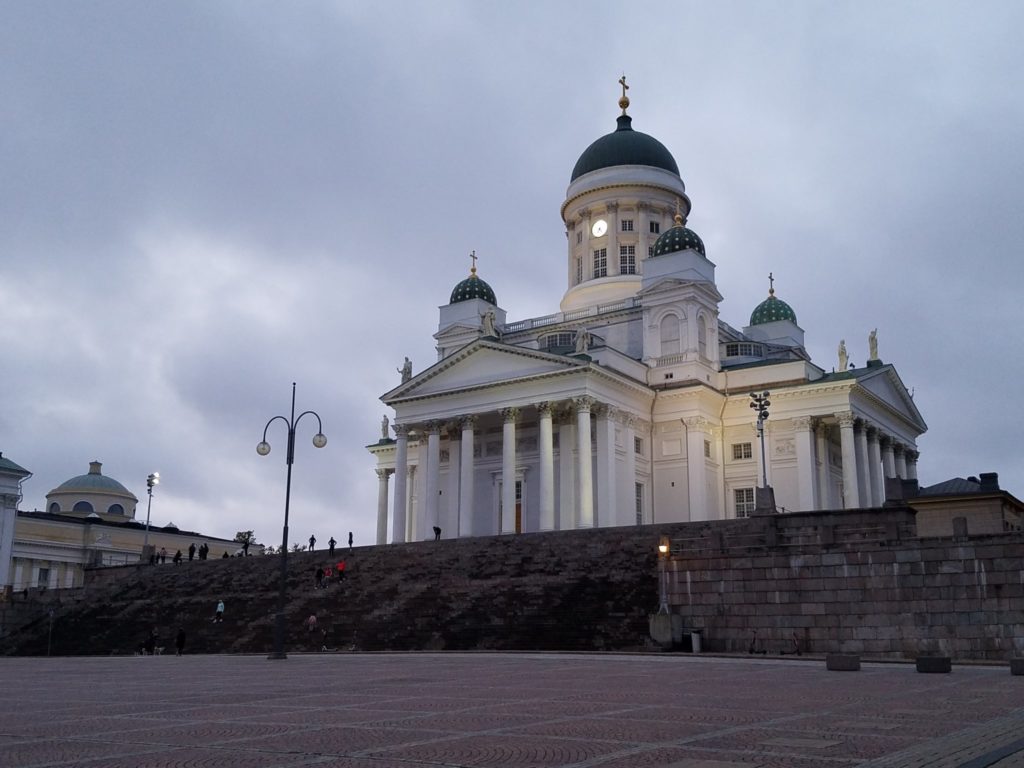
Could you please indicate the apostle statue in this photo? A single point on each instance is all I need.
(406, 370)
(384, 428)
(582, 341)
(844, 359)
(487, 319)
(873, 345)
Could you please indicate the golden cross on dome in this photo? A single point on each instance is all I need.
(624, 100)
(771, 284)
(473, 256)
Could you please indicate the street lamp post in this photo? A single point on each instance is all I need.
(663, 553)
(319, 441)
(760, 404)
(153, 479)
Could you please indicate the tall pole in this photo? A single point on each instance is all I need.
(319, 441)
(153, 479)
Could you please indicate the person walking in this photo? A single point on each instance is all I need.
(245, 548)
(341, 571)
(312, 542)
(191, 551)
(330, 546)
(163, 555)
(177, 557)
(350, 542)
(218, 615)
(179, 641)
(318, 574)
(311, 623)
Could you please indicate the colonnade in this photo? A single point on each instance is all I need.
(869, 456)
(576, 467)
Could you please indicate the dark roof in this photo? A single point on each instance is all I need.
(9, 466)
(954, 487)
(133, 524)
(624, 146)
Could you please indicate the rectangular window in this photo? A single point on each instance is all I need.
(579, 270)
(639, 496)
(601, 262)
(579, 237)
(650, 251)
(627, 225)
(655, 227)
(638, 446)
(707, 449)
(44, 577)
(744, 500)
(627, 259)
(741, 451)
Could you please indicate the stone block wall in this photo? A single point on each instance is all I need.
(863, 587)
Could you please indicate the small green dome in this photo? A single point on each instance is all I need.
(771, 310)
(624, 146)
(678, 238)
(473, 288)
(93, 482)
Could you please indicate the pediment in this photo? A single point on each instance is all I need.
(886, 386)
(677, 285)
(482, 364)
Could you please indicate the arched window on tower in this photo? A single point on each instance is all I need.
(669, 335)
(82, 506)
(55, 508)
(115, 509)
(702, 337)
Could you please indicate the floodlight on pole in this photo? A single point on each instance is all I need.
(152, 480)
(760, 403)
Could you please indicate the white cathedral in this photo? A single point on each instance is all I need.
(631, 404)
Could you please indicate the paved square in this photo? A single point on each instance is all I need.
(522, 710)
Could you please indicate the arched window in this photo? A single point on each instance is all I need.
(83, 506)
(669, 335)
(55, 508)
(115, 509)
(702, 337)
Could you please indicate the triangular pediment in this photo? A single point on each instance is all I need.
(483, 364)
(886, 386)
(665, 285)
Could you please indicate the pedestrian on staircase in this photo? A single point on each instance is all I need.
(191, 551)
(177, 557)
(318, 573)
(341, 571)
(330, 546)
(350, 541)
(311, 623)
(312, 542)
(218, 615)
(328, 574)
(163, 555)
(179, 641)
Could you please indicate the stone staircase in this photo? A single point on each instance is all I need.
(563, 590)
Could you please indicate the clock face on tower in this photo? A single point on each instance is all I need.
(599, 228)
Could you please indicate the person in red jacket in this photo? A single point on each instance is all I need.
(341, 571)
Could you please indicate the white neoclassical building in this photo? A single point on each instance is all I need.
(632, 403)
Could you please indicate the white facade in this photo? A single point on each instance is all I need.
(631, 404)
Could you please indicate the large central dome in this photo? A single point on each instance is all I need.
(624, 146)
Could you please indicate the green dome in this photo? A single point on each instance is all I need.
(678, 238)
(624, 146)
(473, 288)
(771, 310)
(94, 482)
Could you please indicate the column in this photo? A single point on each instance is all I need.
(584, 470)
(875, 468)
(888, 459)
(450, 526)
(911, 459)
(432, 481)
(628, 516)
(696, 470)
(547, 468)
(19, 574)
(566, 473)
(410, 498)
(401, 499)
(805, 474)
(508, 470)
(607, 504)
(382, 505)
(861, 440)
(824, 487)
(851, 499)
(468, 424)
(901, 460)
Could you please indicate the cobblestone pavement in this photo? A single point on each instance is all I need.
(519, 710)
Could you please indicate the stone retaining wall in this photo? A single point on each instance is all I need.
(862, 587)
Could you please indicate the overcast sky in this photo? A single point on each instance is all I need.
(203, 202)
